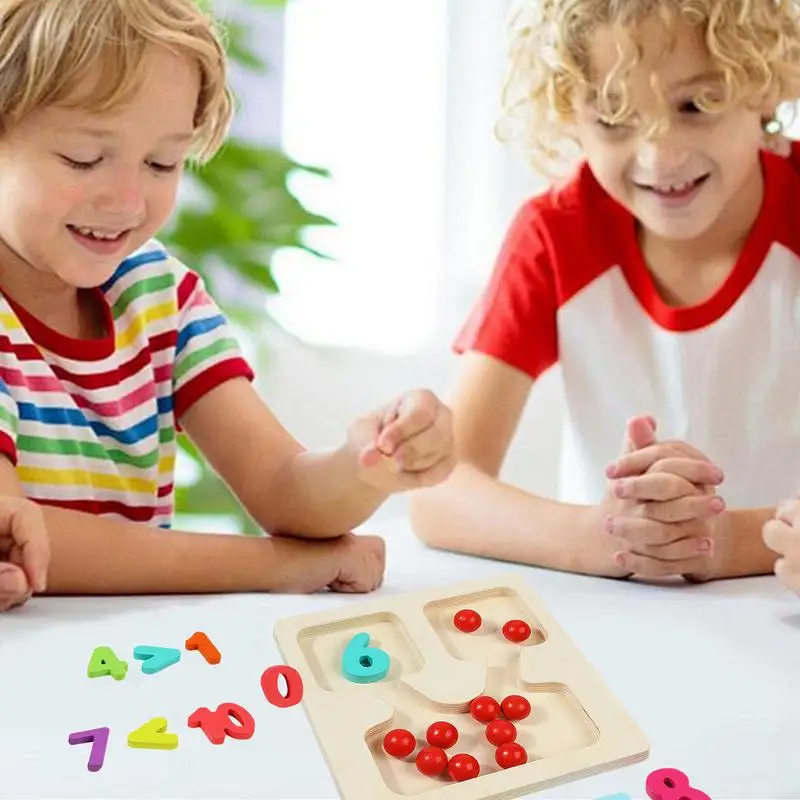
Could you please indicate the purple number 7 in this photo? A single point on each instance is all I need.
(98, 737)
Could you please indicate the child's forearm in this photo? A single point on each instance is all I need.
(477, 514)
(98, 556)
(749, 556)
(328, 498)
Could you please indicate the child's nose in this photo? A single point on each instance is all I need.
(123, 194)
(661, 157)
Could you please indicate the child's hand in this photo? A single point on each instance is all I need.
(407, 445)
(662, 506)
(24, 551)
(782, 535)
(353, 564)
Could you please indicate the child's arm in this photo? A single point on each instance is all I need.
(99, 556)
(474, 512)
(290, 491)
(749, 556)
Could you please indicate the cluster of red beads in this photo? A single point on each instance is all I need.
(432, 759)
(515, 630)
(502, 733)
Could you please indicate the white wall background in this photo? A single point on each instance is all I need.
(398, 100)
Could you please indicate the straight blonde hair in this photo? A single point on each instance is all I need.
(89, 54)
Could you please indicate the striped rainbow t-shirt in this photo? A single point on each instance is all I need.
(91, 424)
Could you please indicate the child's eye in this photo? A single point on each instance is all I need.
(81, 164)
(163, 167)
(690, 107)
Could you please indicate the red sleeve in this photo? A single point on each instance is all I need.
(794, 156)
(514, 320)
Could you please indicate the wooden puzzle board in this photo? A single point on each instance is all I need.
(576, 727)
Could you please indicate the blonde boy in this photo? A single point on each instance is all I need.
(109, 346)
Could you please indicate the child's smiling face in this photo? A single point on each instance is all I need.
(81, 191)
(680, 180)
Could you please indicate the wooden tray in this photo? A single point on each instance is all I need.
(576, 727)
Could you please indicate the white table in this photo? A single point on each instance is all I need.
(711, 674)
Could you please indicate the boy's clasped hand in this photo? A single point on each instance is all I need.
(666, 518)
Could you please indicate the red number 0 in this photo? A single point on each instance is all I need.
(294, 686)
(671, 784)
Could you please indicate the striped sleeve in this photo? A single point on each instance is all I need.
(207, 352)
(9, 423)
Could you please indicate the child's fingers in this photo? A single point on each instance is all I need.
(642, 533)
(22, 520)
(416, 412)
(14, 586)
(660, 486)
(658, 456)
(780, 537)
(649, 567)
(690, 547)
(425, 449)
(685, 509)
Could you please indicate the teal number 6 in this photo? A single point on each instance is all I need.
(362, 663)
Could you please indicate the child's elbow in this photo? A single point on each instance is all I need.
(425, 514)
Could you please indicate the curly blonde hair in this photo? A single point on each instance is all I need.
(52, 50)
(755, 45)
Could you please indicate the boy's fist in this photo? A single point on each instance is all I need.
(24, 551)
(406, 445)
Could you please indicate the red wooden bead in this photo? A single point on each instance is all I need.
(399, 743)
(463, 767)
(431, 761)
(467, 620)
(442, 734)
(510, 755)
(500, 731)
(516, 630)
(484, 709)
(515, 707)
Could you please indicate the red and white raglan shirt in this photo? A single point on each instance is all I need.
(571, 288)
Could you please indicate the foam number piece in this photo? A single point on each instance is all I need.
(271, 689)
(618, 796)
(671, 784)
(98, 738)
(104, 662)
(362, 663)
(200, 642)
(153, 736)
(216, 725)
(154, 659)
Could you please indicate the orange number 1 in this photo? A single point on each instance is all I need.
(200, 642)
